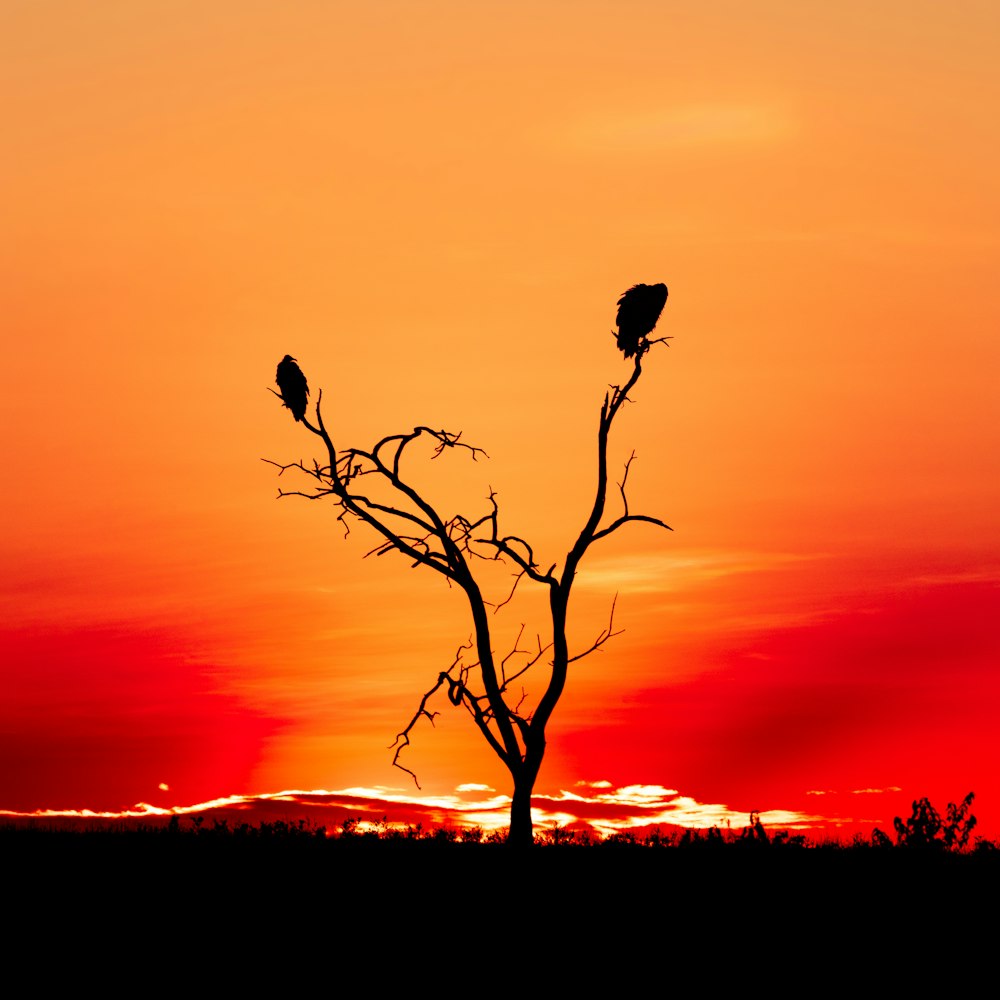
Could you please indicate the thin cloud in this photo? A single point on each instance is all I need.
(672, 128)
(988, 574)
(663, 572)
(637, 806)
(856, 791)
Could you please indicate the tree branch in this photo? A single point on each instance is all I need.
(503, 546)
(624, 519)
(402, 740)
(602, 638)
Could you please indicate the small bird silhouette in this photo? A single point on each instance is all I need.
(638, 310)
(293, 386)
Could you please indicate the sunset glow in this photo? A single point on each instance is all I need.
(434, 207)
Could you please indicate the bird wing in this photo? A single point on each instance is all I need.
(293, 386)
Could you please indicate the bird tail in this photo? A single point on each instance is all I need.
(627, 345)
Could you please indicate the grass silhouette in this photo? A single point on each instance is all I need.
(924, 830)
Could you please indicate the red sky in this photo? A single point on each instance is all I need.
(435, 207)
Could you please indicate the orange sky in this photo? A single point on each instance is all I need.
(434, 207)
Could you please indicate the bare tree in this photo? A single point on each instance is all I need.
(368, 486)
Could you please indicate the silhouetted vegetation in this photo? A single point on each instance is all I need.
(925, 829)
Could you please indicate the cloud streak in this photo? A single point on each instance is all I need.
(596, 806)
(665, 572)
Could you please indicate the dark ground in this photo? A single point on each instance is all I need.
(614, 892)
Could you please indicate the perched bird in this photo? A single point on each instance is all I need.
(293, 386)
(638, 310)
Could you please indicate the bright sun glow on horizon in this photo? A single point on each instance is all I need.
(606, 812)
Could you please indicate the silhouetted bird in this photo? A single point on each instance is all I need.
(293, 386)
(638, 310)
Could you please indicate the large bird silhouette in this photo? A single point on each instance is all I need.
(638, 310)
(293, 386)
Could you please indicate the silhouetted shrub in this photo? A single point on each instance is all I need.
(621, 838)
(712, 837)
(657, 838)
(926, 830)
(879, 839)
(557, 836)
(754, 834)
(784, 838)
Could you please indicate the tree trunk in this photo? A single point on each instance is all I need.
(521, 833)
